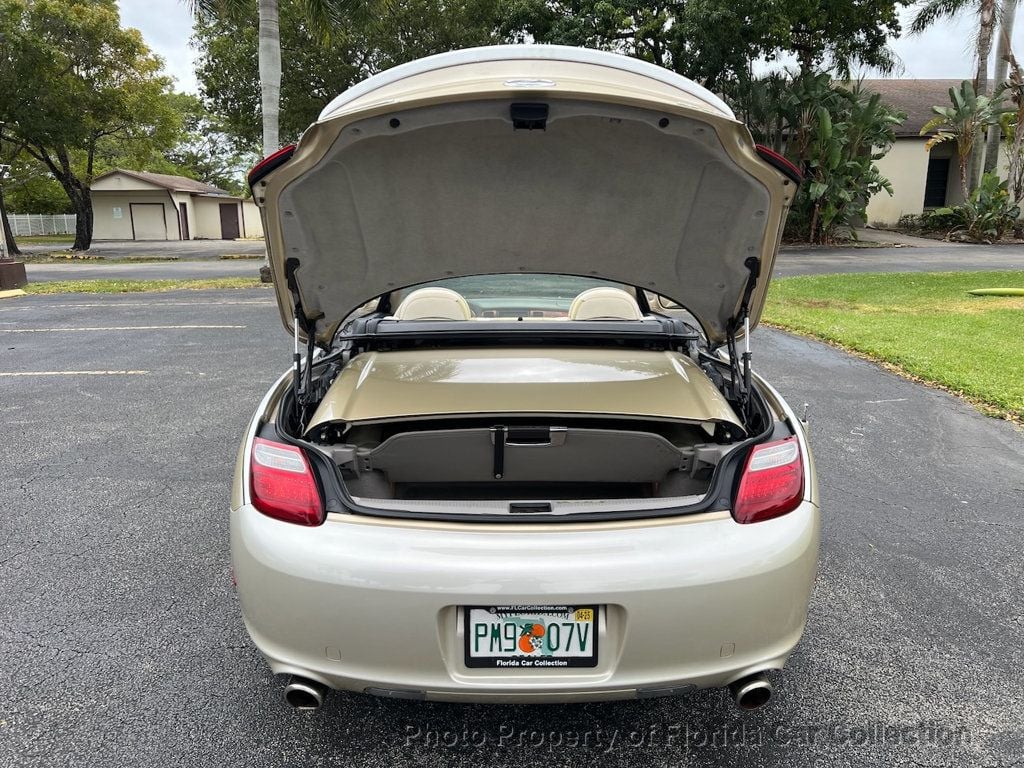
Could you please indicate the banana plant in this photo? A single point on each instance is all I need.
(963, 122)
(835, 134)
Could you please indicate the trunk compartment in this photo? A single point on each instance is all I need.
(563, 459)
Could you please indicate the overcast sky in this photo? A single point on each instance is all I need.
(943, 51)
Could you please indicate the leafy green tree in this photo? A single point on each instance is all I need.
(964, 122)
(321, 17)
(32, 189)
(206, 152)
(81, 83)
(317, 69)
(716, 42)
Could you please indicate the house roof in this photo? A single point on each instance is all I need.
(915, 97)
(173, 183)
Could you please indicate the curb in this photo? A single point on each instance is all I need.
(12, 294)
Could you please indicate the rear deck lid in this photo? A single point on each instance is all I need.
(431, 383)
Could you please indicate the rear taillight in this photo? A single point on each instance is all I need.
(283, 484)
(270, 163)
(772, 482)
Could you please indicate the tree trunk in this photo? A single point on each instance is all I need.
(986, 27)
(83, 223)
(270, 73)
(78, 191)
(1007, 13)
(5, 225)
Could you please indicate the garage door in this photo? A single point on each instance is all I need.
(148, 221)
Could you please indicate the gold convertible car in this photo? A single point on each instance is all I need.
(522, 455)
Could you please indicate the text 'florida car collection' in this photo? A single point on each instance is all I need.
(521, 456)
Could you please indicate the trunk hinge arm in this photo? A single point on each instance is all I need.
(740, 364)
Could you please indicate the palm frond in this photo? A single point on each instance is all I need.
(933, 10)
(214, 9)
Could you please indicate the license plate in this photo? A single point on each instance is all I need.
(531, 636)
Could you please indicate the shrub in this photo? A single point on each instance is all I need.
(940, 220)
(911, 222)
(988, 214)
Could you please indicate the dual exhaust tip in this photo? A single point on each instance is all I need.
(303, 693)
(750, 692)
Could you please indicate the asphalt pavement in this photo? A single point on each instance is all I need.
(122, 641)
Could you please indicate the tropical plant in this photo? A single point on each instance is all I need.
(835, 134)
(934, 10)
(963, 122)
(987, 215)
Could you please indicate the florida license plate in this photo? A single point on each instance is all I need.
(531, 636)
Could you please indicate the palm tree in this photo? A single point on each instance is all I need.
(933, 10)
(322, 15)
(1007, 14)
(964, 122)
(1013, 129)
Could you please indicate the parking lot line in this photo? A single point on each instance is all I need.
(122, 328)
(72, 373)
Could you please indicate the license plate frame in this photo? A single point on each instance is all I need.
(519, 660)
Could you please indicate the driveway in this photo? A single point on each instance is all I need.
(933, 257)
(123, 644)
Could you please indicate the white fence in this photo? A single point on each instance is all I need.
(25, 224)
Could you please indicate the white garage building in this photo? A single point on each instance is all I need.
(137, 205)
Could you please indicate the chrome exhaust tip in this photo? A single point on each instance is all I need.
(303, 693)
(751, 692)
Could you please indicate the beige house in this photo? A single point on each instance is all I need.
(136, 205)
(920, 179)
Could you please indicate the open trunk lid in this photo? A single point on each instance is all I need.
(536, 159)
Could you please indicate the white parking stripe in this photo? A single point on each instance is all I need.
(73, 373)
(118, 328)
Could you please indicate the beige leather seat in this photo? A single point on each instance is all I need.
(604, 303)
(433, 304)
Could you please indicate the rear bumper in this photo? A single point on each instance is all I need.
(362, 603)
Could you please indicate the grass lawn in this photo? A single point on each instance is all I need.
(923, 324)
(138, 286)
